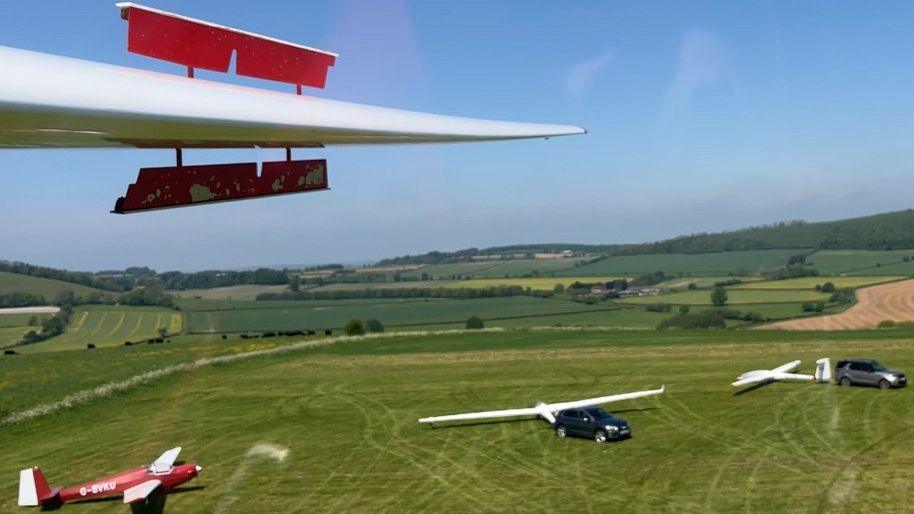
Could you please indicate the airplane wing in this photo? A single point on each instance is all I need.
(113, 106)
(555, 407)
(166, 461)
(141, 491)
(794, 377)
(508, 413)
(790, 366)
(753, 379)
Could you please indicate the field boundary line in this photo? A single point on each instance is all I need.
(111, 388)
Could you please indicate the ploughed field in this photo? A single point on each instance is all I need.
(893, 301)
(334, 428)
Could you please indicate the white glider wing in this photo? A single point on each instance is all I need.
(141, 491)
(555, 407)
(103, 105)
(784, 368)
(166, 461)
(507, 413)
(545, 410)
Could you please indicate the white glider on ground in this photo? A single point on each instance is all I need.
(783, 373)
(546, 411)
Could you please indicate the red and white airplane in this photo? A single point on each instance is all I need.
(136, 485)
(48, 101)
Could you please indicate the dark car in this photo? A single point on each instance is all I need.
(591, 422)
(868, 372)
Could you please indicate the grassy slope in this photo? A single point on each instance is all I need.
(49, 289)
(242, 292)
(734, 296)
(830, 262)
(347, 415)
(706, 263)
(811, 282)
(495, 269)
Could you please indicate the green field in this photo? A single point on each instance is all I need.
(734, 296)
(20, 319)
(495, 269)
(703, 281)
(329, 314)
(745, 262)
(49, 289)
(110, 326)
(242, 292)
(833, 262)
(347, 414)
(812, 282)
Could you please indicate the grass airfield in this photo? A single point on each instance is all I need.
(346, 414)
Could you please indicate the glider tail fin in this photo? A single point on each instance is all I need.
(34, 489)
(823, 370)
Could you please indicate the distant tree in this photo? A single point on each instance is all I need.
(828, 287)
(683, 309)
(33, 321)
(558, 288)
(374, 325)
(886, 323)
(719, 296)
(295, 283)
(475, 323)
(162, 331)
(693, 285)
(354, 328)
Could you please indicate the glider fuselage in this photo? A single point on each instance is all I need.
(115, 485)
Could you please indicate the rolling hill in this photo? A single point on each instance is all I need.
(46, 287)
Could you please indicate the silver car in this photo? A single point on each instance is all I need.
(868, 372)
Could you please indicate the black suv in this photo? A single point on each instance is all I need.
(591, 422)
(868, 372)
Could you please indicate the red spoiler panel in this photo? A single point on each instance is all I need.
(199, 44)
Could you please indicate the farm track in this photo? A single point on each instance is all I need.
(893, 301)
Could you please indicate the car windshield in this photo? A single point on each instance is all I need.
(877, 366)
(596, 412)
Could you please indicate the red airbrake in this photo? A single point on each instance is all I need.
(136, 485)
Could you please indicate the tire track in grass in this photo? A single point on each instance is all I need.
(474, 450)
(449, 486)
(416, 458)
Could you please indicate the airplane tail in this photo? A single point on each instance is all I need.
(823, 370)
(34, 489)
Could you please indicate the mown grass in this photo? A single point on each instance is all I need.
(347, 415)
(104, 325)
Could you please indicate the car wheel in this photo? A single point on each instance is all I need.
(845, 381)
(600, 436)
(884, 384)
(561, 431)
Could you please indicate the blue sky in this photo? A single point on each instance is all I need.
(709, 116)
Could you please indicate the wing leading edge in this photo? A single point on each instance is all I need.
(112, 106)
(546, 410)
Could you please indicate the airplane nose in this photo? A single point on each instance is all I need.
(198, 468)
